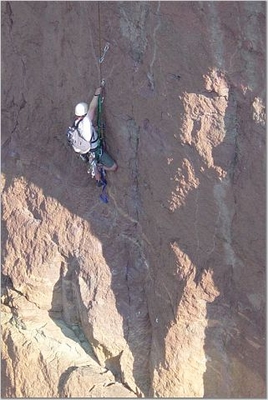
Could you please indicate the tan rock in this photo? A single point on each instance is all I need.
(161, 292)
(40, 354)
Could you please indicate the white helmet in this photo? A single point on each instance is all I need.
(81, 109)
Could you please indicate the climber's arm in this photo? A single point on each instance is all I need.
(94, 104)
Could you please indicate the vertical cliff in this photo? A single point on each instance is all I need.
(160, 292)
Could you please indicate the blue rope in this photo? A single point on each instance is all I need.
(103, 195)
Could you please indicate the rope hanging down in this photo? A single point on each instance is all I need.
(100, 123)
(101, 59)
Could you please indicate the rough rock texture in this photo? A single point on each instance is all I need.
(160, 292)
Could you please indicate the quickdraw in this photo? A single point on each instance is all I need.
(106, 48)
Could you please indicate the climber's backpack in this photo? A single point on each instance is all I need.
(75, 139)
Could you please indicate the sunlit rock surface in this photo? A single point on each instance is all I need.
(160, 292)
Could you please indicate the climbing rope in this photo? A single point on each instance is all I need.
(107, 45)
(99, 20)
(101, 98)
(100, 123)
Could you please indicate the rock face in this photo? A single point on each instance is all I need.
(160, 292)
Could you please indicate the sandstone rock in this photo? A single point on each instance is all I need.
(89, 383)
(40, 355)
(160, 292)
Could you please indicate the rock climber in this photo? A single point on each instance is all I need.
(84, 118)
